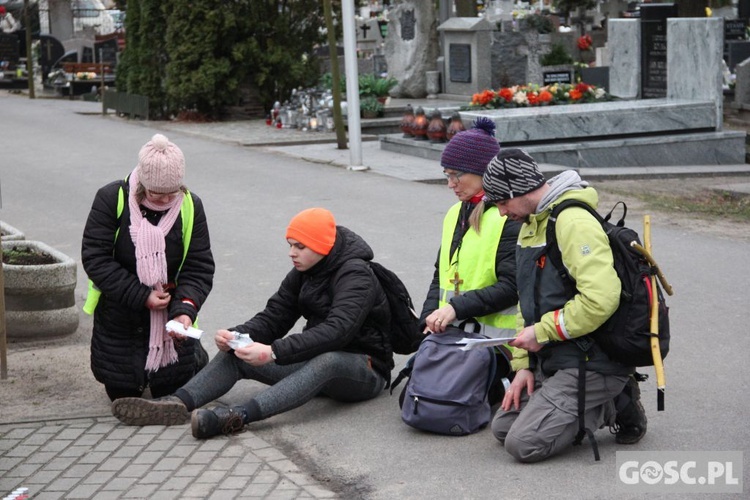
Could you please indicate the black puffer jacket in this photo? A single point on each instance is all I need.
(119, 343)
(342, 301)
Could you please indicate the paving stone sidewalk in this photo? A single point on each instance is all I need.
(97, 458)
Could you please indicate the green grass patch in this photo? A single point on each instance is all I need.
(715, 203)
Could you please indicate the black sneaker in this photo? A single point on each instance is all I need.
(169, 410)
(631, 421)
(219, 420)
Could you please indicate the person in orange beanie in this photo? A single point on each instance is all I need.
(342, 352)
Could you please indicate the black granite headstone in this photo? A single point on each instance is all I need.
(551, 77)
(597, 76)
(734, 29)
(106, 51)
(50, 51)
(737, 51)
(87, 54)
(654, 48)
(9, 49)
(460, 62)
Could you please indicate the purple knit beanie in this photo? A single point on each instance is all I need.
(471, 150)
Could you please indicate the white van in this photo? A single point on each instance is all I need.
(91, 13)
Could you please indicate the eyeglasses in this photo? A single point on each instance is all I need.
(455, 177)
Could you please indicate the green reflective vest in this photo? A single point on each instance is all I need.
(472, 267)
(187, 211)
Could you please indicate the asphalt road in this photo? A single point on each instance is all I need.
(53, 161)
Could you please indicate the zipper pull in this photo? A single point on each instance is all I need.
(416, 405)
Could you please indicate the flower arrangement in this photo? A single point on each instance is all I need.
(584, 42)
(536, 95)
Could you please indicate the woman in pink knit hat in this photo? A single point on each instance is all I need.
(147, 253)
(343, 351)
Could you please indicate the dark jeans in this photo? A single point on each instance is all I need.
(339, 375)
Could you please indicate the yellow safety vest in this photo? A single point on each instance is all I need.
(474, 261)
(187, 212)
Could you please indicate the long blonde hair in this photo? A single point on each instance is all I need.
(475, 219)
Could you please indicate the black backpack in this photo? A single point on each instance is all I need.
(626, 335)
(404, 328)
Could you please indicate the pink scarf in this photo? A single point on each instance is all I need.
(151, 266)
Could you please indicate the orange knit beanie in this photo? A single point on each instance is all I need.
(315, 228)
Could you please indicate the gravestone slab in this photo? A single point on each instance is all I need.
(742, 86)
(468, 55)
(694, 60)
(557, 74)
(654, 48)
(106, 51)
(411, 46)
(736, 52)
(597, 76)
(734, 29)
(9, 49)
(624, 58)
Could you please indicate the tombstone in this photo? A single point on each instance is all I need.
(87, 55)
(411, 46)
(734, 29)
(50, 51)
(742, 86)
(9, 50)
(624, 57)
(467, 50)
(105, 51)
(654, 48)
(736, 52)
(597, 76)
(369, 36)
(694, 61)
(563, 73)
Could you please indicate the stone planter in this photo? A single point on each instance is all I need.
(10, 233)
(39, 299)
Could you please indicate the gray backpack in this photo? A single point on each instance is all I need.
(447, 391)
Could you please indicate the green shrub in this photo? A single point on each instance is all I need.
(557, 55)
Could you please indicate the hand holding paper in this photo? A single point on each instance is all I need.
(177, 327)
(475, 343)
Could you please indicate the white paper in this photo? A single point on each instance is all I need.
(177, 327)
(240, 340)
(474, 343)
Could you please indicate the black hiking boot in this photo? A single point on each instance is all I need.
(219, 420)
(630, 422)
(169, 410)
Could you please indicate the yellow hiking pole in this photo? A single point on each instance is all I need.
(655, 349)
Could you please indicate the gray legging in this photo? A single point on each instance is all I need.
(343, 376)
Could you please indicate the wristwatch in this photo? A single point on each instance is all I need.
(273, 355)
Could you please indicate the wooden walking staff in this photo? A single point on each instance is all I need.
(655, 349)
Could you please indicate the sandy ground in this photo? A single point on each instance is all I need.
(52, 379)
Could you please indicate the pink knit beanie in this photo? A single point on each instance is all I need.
(161, 165)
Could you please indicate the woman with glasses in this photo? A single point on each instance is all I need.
(148, 256)
(474, 286)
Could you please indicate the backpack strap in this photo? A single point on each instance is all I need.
(552, 251)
